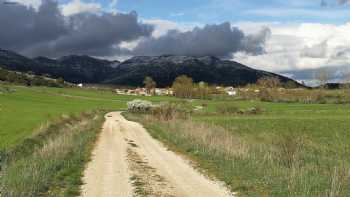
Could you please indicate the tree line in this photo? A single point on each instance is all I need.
(183, 87)
(29, 79)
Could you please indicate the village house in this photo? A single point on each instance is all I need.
(144, 92)
(231, 91)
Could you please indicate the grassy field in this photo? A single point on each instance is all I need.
(47, 134)
(23, 109)
(287, 150)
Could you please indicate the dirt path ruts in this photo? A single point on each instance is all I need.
(107, 174)
(127, 161)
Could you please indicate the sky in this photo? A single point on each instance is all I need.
(274, 35)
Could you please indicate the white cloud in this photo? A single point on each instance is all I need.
(78, 6)
(33, 3)
(315, 51)
(163, 26)
(300, 46)
(112, 7)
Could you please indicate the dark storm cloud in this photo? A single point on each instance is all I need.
(47, 32)
(219, 40)
(97, 35)
(255, 43)
(22, 26)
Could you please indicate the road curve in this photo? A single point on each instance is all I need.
(127, 161)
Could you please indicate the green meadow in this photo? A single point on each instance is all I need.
(287, 149)
(23, 110)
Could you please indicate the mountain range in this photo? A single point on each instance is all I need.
(163, 69)
(336, 74)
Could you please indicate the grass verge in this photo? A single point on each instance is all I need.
(275, 165)
(51, 163)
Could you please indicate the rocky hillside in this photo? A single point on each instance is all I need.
(75, 69)
(78, 69)
(163, 69)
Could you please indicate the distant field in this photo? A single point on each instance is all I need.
(23, 109)
(287, 150)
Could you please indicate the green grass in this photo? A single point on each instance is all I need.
(26, 109)
(288, 150)
(51, 163)
(322, 132)
(42, 153)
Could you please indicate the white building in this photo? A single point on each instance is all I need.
(231, 91)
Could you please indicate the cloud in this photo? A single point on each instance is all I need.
(342, 2)
(255, 43)
(325, 3)
(24, 26)
(76, 6)
(76, 27)
(315, 51)
(30, 3)
(300, 46)
(161, 27)
(97, 35)
(47, 32)
(219, 40)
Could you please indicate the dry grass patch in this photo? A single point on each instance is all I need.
(51, 162)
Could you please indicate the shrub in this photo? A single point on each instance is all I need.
(233, 110)
(227, 109)
(170, 111)
(254, 110)
(269, 82)
(139, 106)
(164, 111)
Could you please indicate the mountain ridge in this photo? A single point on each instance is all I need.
(163, 69)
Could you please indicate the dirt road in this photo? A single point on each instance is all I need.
(127, 161)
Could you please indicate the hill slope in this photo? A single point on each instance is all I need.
(78, 69)
(72, 68)
(163, 69)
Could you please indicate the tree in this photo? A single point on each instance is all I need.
(269, 82)
(3, 74)
(291, 85)
(322, 77)
(203, 90)
(150, 84)
(183, 87)
(60, 81)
